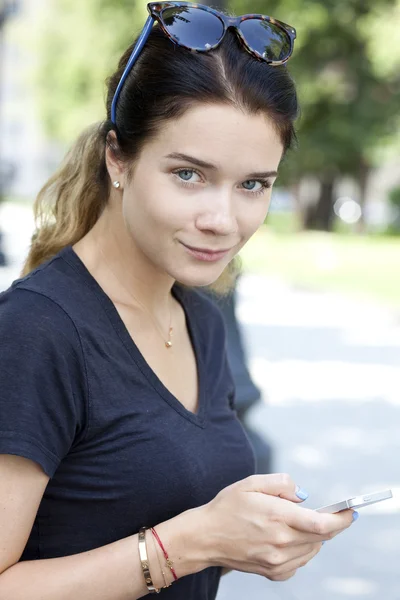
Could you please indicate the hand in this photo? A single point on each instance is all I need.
(256, 526)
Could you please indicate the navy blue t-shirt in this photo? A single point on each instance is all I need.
(77, 397)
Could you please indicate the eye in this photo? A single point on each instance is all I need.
(187, 175)
(255, 185)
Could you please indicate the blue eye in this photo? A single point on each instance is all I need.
(251, 185)
(256, 185)
(187, 175)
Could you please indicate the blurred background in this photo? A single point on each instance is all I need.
(319, 301)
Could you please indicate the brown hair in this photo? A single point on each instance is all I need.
(165, 82)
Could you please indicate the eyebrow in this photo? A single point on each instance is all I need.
(206, 165)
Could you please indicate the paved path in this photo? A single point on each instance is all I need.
(329, 368)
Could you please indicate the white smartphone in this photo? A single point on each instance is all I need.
(356, 502)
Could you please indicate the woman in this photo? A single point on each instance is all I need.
(124, 468)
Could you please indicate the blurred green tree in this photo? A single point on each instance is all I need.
(346, 65)
(394, 200)
(79, 45)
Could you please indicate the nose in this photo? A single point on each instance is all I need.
(218, 216)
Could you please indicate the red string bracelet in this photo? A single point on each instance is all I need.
(169, 562)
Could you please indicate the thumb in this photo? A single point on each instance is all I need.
(277, 484)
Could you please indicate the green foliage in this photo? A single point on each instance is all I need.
(394, 197)
(79, 47)
(348, 80)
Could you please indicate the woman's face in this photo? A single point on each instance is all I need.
(200, 189)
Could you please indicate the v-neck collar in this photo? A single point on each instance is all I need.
(181, 295)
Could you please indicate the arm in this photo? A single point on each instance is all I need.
(253, 525)
(112, 572)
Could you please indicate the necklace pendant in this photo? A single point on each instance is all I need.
(169, 343)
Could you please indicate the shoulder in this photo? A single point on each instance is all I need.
(43, 299)
(32, 317)
(40, 341)
(43, 382)
(52, 279)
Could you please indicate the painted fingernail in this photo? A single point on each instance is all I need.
(355, 515)
(302, 494)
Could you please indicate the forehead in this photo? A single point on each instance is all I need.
(224, 135)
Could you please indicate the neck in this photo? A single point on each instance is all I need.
(117, 263)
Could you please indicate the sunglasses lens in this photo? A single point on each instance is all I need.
(266, 38)
(193, 27)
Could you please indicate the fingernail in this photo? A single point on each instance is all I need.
(302, 494)
(355, 515)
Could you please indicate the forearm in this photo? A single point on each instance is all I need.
(112, 572)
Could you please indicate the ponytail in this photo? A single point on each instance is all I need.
(71, 201)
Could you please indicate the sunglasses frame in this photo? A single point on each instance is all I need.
(156, 9)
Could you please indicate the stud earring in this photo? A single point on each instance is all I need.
(116, 184)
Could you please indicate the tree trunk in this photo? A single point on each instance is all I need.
(298, 207)
(363, 176)
(320, 216)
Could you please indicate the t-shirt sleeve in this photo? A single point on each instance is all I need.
(42, 379)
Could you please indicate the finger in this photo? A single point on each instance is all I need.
(283, 577)
(277, 484)
(284, 571)
(321, 524)
(299, 538)
(284, 556)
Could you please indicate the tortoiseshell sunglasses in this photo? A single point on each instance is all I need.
(200, 28)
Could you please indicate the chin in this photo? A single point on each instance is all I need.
(198, 279)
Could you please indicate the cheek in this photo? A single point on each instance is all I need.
(253, 216)
(150, 214)
(167, 217)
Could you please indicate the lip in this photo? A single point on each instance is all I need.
(205, 254)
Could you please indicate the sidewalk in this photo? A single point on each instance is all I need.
(329, 370)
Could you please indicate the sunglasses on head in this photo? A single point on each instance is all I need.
(201, 28)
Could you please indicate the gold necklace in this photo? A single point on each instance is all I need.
(168, 342)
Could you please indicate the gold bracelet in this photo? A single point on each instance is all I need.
(145, 562)
(159, 562)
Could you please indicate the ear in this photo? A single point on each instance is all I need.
(115, 166)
